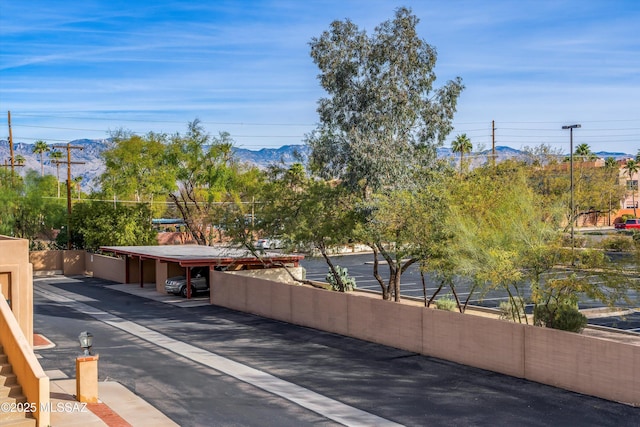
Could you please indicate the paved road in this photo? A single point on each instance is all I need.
(207, 366)
(360, 266)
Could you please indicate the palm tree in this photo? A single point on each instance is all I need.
(610, 163)
(632, 168)
(40, 147)
(55, 156)
(77, 180)
(19, 160)
(584, 152)
(462, 144)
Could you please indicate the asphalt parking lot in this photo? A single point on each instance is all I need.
(360, 267)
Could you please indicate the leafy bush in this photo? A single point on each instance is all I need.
(348, 281)
(565, 317)
(617, 243)
(446, 303)
(578, 241)
(512, 310)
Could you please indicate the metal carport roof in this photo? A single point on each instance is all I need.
(199, 255)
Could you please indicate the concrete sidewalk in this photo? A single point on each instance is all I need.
(117, 407)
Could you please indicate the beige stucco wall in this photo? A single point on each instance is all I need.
(17, 277)
(495, 345)
(67, 262)
(46, 260)
(73, 263)
(16, 322)
(583, 364)
(24, 364)
(589, 365)
(106, 267)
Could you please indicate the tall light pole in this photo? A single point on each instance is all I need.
(571, 128)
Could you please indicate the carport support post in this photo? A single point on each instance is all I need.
(188, 282)
(140, 263)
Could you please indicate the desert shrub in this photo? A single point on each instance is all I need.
(446, 303)
(565, 317)
(579, 241)
(512, 309)
(617, 244)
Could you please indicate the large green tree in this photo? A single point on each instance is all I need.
(27, 208)
(382, 119)
(136, 167)
(307, 213)
(196, 172)
(96, 224)
(209, 179)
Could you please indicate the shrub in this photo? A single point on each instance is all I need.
(565, 317)
(578, 241)
(617, 243)
(446, 303)
(512, 310)
(348, 281)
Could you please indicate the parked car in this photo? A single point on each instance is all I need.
(628, 224)
(269, 243)
(177, 285)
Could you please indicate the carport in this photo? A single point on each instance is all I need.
(167, 259)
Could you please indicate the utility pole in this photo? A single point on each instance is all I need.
(493, 142)
(69, 147)
(10, 143)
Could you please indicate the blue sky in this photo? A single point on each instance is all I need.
(72, 69)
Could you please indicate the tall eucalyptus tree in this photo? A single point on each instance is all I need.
(382, 118)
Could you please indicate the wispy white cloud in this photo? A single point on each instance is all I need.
(160, 64)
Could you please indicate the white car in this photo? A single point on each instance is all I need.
(269, 243)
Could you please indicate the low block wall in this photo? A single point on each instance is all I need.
(106, 267)
(46, 260)
(495, 345)
(598, 367)
(67, 262)
(587, 365)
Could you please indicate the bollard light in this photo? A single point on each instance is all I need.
(86, 342)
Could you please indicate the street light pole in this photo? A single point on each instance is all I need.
(571, 128)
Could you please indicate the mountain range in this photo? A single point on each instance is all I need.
(92, 165)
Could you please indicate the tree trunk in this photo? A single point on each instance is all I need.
(332, 268)
(385, 290)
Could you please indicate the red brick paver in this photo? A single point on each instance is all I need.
(107, 415)
(40, 341)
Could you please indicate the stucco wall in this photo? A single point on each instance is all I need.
(46, 260)
(24, 364)
(17, 276)
(106, 267)
(589, 365)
